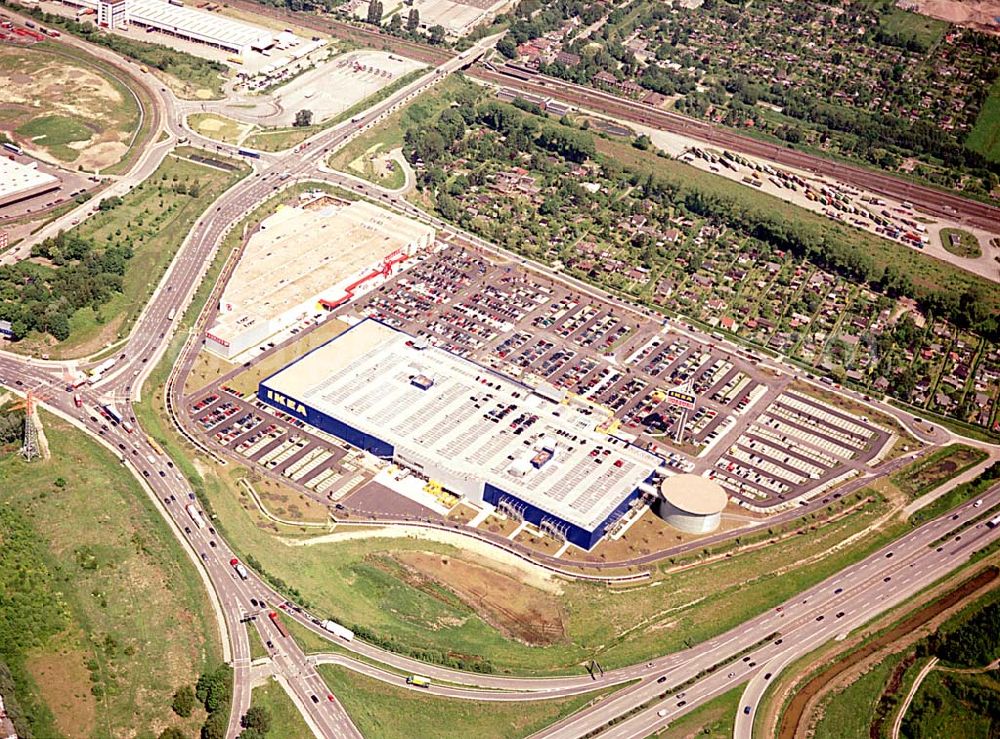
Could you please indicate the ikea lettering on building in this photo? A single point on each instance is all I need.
(479, 434)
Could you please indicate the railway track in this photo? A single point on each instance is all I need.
(932, 201)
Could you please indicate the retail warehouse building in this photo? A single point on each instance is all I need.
(22, 181)
(477, 433)
(304, 261)
(183, 22)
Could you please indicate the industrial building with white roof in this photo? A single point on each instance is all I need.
(477, 433)
(177, 20)
(302, 261)
(21, 181)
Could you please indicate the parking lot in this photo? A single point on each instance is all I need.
(765, 443)
(277, 443)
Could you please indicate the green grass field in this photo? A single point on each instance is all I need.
(154, 219)
(847, 713)
(286, 721)
(390, 712)
(139, 619)
(967, 246)
(985, 135)
(217, 127)
(257, 649)
(54, 133)
(714, 719)
(906, 24)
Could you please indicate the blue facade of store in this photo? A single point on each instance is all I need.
(325, 422)
(581, 537)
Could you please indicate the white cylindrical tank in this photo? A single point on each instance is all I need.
(691, 503)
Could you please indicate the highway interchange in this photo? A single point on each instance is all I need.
(745, 654)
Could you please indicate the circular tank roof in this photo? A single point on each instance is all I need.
(694, 494)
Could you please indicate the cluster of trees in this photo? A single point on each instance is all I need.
(534, 18)
(973, 644)
(178, 63)
(11, 427)
(37, 298)
(214, 690)
(256, 722)
(521, 133)
(973, 696)
(303, 118)
(374, 12)
(307, 6)
(397, 28)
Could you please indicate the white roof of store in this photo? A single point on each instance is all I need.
(298, 254)
(364, 377)
(199, 24)
(16, 178)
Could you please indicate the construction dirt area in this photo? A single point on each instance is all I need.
(63, 111)
(520, 611)
(980, 14)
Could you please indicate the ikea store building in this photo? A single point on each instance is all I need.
(479, 434)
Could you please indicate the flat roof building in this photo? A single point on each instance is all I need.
(22, 181)
(180, 21)
(305, 261)
(477, 433)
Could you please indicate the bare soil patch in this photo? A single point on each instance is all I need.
(64, 683)
(973, 13)
(517, 610)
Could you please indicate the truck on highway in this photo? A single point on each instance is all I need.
(993, 523)
(97, 372)
(112, 412)
(77, 400)
(240, 569)
(418, 681)
(277, 624)
(195, 515)
(172, 314)
(127, 425)
(248, 153)
(337, 630)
